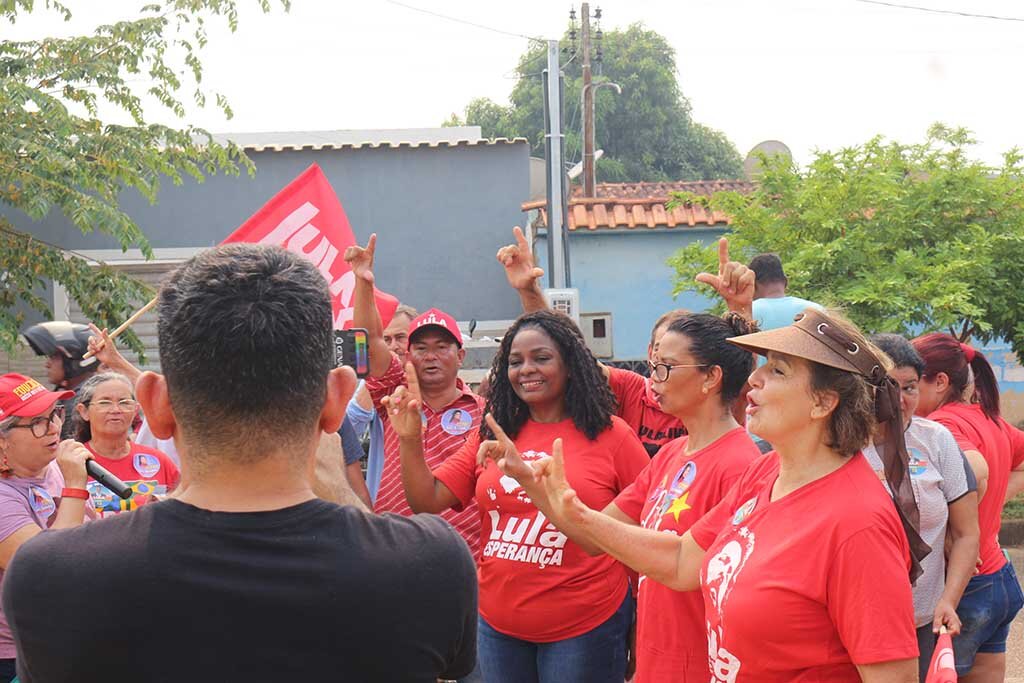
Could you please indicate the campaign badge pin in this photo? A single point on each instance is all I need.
(456, 421)
(145, 464)
(41, 501)
(916, 463)
(744, 511)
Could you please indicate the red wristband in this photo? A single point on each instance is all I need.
(74, 493)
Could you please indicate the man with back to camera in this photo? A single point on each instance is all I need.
(246, 575)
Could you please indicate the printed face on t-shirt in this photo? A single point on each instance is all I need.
(436, 357)
(536, 369)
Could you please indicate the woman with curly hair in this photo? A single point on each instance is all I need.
(696, 377)
(806, 564)
(548, 609)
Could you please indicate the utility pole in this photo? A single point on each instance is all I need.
(589, 175)
(554, 142)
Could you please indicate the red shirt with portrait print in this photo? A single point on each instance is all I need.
(146, 470)
(535, 584)
(671, 494)
(1002, 446)
(805, 587)
(641, 412)
(443, 436)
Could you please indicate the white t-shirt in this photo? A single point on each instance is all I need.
(938, 479)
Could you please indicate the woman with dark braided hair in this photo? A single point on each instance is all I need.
(548, 609)
(696, 377)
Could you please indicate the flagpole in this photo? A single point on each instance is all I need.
(127, 323)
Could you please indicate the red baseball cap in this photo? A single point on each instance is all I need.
(22, 396)
(438, 319)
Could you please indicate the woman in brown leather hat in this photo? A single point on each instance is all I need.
(804, 565)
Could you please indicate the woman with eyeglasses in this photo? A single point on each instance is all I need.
(806, 564)
(959, 390)
(945, 496)
(695, 377)
(105, 411)
(42, 479)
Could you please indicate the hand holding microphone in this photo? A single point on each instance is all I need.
(77, 465)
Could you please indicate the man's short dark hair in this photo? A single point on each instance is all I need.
(768, 268)
(246, 344)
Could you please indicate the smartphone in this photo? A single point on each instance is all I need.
(352, 349)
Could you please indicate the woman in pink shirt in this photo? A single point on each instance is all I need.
(996, 451)
(42, 479)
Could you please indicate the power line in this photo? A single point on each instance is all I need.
(940, 11)
(466, 22)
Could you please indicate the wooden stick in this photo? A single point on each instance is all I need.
(127, 323)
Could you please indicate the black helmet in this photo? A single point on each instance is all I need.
(69, 340)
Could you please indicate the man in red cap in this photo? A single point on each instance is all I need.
(451, 412)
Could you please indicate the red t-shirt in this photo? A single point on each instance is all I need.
(804, 587)
(641, 412)
(444, 432)
(535, 584)
(147, 470)
(1002, 446)
(671, 494)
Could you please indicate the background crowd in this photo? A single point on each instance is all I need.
(781, 498)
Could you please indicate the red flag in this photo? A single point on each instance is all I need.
(942, 668)
(306, 218)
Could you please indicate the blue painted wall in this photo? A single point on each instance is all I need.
(623, 272)
(440, 213)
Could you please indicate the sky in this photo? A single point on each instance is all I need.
(815, 74)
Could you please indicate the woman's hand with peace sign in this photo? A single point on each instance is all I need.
(544, 482)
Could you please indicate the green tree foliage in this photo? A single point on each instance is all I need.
(56, 154)
(647, 132)
(903, 237)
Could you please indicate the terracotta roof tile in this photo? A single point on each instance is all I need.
(638, 205)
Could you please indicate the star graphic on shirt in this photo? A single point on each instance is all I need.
(679, 504)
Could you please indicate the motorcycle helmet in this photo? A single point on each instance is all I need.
(67, 339)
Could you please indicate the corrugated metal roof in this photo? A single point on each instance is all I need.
(463, 136)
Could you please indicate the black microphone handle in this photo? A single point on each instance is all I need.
(104, 476)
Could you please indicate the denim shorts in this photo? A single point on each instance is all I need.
(988, 606)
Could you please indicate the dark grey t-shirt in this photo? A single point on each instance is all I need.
(314, 592)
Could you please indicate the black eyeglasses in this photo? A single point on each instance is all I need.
(39, 426)
(661, 371)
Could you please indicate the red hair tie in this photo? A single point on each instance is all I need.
(969, 352)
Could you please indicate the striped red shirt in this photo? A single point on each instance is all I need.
(444, 433)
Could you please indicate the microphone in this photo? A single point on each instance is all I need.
(104, 476)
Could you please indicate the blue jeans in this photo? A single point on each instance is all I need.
(989, 604)
(597, 656)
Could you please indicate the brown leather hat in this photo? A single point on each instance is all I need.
(815, 337)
